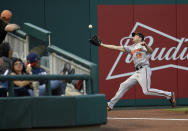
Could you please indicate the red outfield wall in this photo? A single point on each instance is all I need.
(166, 30)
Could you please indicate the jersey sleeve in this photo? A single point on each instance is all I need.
(127, 49)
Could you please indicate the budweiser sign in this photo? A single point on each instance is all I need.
(174, 53)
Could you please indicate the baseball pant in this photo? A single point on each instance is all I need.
(143, 77)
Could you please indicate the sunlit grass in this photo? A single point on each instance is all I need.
(178, 109)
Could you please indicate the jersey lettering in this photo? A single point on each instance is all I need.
(135, 51)
(138, 56)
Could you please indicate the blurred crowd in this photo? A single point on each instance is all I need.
(10, 65)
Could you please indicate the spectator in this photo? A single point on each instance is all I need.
(74, 87)
(21, 88)
(5, 27)
(57, 86)
(5, 50)
(5, 68)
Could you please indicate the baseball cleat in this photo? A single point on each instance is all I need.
(173, 100)
(108, 108)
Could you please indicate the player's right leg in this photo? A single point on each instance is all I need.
(124, 87)
(144, 80)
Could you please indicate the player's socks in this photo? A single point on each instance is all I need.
(108, 108)
(173, 100)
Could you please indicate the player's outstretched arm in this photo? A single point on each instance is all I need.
(113, 47)
(97, 42)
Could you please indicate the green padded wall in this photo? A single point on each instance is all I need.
(52, 111)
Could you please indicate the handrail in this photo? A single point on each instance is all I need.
(20, 33)
(47, 78)
(81, 61)
(70, 56)
(37, 32)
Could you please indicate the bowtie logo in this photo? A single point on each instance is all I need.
(174, 53)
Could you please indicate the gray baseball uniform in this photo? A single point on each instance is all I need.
(141, 76)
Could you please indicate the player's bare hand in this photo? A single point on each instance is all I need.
(143, 43)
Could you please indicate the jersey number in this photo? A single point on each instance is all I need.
(138, 56)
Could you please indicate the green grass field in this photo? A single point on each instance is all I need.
(180, 109)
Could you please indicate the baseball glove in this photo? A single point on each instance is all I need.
(95, 40)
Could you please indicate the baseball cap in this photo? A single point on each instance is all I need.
(32, 58)
(6, 14)
(139, 34)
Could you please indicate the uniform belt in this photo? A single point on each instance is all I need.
(139, 67)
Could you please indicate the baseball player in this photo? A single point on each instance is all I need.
(141, 53)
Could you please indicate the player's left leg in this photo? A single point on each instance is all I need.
(124, 87)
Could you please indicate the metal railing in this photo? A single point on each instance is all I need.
(37, 32)
(58, 57)
(47, 78)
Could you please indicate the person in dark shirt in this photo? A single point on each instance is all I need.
(21, 87)
(57, 86)
(5, 50)
(5, 69)
(5, 27)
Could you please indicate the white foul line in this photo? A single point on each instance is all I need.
(160, 119)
